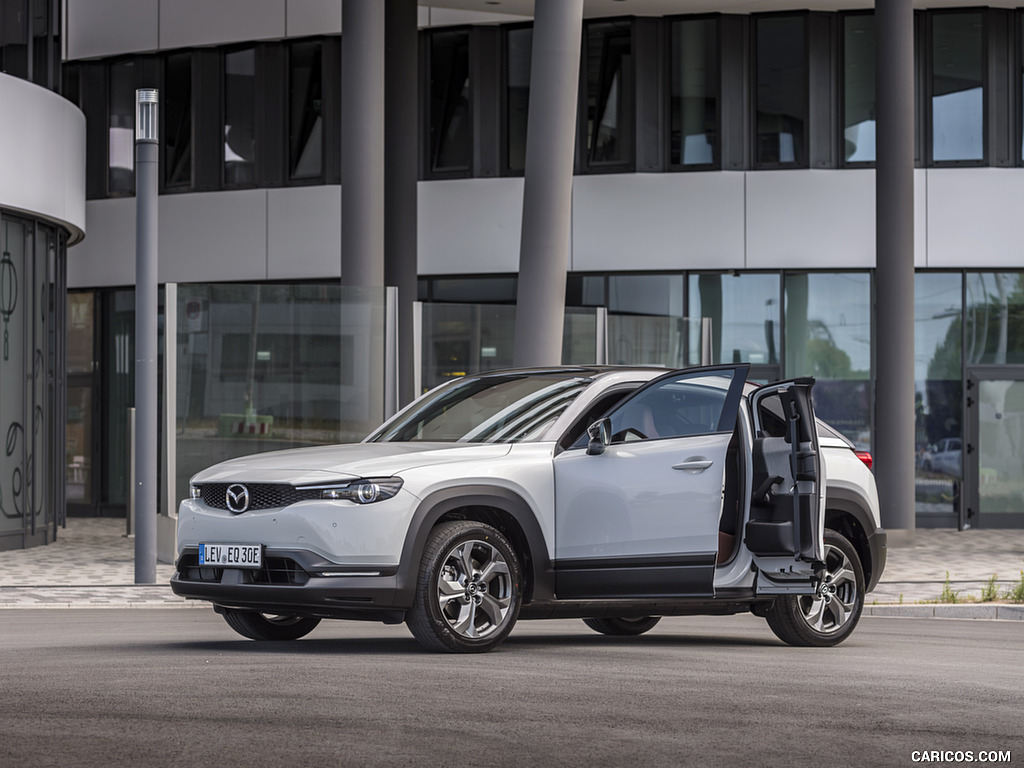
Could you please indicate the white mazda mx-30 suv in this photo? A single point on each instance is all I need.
(615, 495)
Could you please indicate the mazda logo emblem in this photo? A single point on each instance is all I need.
(237, 498)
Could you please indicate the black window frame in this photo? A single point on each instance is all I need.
(196, 83)
(717, 150)
(428, 168)
(328, 83)
(583, 164)
(805, 162)
(927, 89)
(222, 169)
(504, 111)
(841, 90)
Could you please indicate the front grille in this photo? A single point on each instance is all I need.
(275, 570)
(280, 570)
(261, 495)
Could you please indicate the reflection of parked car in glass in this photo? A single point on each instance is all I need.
(943, 457)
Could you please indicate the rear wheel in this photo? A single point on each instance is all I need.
(469, 589)
(829, 615)
(623, 626)
(265, 626)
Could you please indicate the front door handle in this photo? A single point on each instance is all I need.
(694, 464)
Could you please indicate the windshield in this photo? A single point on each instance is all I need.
(502, 408)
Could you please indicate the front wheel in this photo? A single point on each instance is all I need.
(469, 589)
(623, 626)
(264, 626)
(828, 616)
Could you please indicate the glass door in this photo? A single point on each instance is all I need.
(993, 458)
(80, 434)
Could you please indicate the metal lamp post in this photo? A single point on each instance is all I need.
(146, 310)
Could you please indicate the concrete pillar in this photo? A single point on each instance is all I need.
(362, 143)
(401, 159)
(547, 191)
(894, 266)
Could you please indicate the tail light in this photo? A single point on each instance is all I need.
(865, 456)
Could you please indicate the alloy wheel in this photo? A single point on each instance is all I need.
(474, 589)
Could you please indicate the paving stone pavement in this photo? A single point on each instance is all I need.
(91, 565)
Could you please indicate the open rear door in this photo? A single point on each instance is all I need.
(787, 505)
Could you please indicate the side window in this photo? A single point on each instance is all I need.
(693, 403)
(771, 416)
(576, 436)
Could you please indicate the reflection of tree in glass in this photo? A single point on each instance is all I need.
(825, 360)
(943, 388)
(995, 319)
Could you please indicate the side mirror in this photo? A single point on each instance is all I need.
(598, 432)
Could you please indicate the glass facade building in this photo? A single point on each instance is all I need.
(665, 106)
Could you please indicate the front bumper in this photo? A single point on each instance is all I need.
(297, 582)
(879, 553)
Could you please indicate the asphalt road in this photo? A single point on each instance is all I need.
(176, 688)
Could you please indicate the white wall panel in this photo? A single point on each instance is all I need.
(658, 221)
(107, 256)
(920, 217)
(446, 17)
(42, 154)
(974, 217)
(202, 22)
(304, 233)
(469, 226)
(313, 17)
(810, 219)
(110, 27)
(213, 237)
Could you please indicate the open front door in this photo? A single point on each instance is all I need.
(787, 505)
(637, 516)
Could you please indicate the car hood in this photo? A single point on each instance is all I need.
(341, 463)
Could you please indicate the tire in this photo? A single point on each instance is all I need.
(263, 626)
(468, 591)
(829, 616)
(623, 626)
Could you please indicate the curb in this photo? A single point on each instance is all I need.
(989, 611)
(94, 596)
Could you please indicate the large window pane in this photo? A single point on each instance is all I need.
(780, 90)
(957, 94)
(266, 367)
(828, 336)
(744, 312)
(938, 390)
(694, 92)
(645, 320)
(995, 318)
(305, 111)
(609, 70)
(240, 117)
(177, 114)
(519, 44)
(859, 88)
(15, 357)
(121, 129)
(451, 135)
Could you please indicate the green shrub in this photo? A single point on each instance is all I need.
(990, 592)
(948, 594)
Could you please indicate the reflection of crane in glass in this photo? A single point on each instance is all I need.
(980, 310)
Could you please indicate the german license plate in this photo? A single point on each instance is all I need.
(231, 555)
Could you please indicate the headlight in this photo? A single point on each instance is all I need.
(364, 491)
(195, 492)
